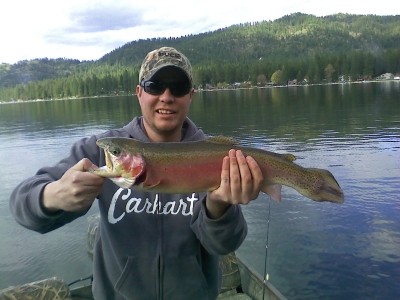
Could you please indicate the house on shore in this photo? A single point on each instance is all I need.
(386, 76)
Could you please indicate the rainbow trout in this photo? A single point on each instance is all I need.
(187, 167)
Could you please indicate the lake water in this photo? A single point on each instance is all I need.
(315, 250)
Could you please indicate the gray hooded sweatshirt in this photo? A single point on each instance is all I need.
(149, 245)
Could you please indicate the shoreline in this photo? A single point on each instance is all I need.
(203, 90)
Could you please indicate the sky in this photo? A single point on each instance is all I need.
(89, 29)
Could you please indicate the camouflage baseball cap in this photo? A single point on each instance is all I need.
(163, 57)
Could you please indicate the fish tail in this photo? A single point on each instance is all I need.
(328, 188)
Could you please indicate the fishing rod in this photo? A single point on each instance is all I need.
(266, 275)
(82, 279)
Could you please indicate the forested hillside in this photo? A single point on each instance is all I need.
(298, 47)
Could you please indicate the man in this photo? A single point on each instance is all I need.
(149, 246)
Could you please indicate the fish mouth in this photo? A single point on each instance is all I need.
(107, 171)
(110, 163)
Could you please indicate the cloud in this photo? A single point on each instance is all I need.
(95, 29)
(104, 18)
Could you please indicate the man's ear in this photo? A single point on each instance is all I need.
(192, 91)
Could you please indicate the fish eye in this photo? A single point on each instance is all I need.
(115, 151)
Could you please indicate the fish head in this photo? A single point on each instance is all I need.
(124, 165)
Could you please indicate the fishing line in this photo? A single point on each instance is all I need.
(266, 275)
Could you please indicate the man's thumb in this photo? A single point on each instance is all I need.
(84, 165)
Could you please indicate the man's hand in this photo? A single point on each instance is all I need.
(241, 181)
(75, 190)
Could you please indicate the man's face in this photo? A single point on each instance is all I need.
(164, 114)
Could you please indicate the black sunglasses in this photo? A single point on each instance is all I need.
(177, 89)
